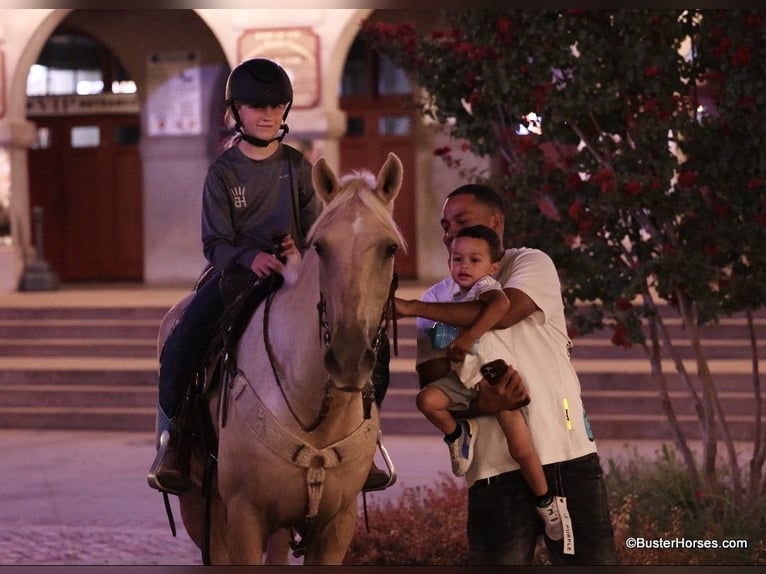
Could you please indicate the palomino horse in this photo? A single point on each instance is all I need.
(296, 426)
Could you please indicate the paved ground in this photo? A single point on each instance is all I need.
(80, 497)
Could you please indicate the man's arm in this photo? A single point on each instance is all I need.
(508, 394)
(495, 306)
(465, 314)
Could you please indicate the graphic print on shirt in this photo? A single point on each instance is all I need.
(238, 195)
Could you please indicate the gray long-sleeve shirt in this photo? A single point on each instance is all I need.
(245, 202)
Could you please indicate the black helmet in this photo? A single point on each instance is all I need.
(259, 82)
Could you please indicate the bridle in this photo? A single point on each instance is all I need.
(388, 316)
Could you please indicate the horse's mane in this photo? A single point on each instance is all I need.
(357, 186)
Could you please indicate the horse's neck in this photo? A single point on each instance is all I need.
(294, 341)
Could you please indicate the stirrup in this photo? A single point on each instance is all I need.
(389, 466)
(151, 477)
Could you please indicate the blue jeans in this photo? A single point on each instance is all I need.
(503, 524)
(186, 343)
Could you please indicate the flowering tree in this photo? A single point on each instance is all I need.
(642, 176)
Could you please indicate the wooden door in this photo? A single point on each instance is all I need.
(375, 129)
(85, 172)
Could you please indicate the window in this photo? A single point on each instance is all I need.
(367, 73)
(73, 63)
(85, 136)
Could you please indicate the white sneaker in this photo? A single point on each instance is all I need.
(550, 515)
(461, 449)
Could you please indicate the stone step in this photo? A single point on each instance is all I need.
(78, 418)
(96, 368)
(79, 347)
(79, 328)
(126, 347)
(604, 426)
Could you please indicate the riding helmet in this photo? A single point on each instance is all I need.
(259, 82)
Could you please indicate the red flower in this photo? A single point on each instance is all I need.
(760, 219)
(742, 56)
(710, 250)
(652, 71)
(687, 178)
(655, 185)
(754, 183)
(576, 210)
(504, 26)
(632, 188)
(723, 47)
(444, 150)
(585, 226)
(574, 182)
(721, 209)
(623, 304)
(525, 143)
(754, 20)
(651, 105)
(602, 174)
(620, 336)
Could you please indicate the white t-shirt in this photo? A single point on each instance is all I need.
(541, 345)
(493, 344)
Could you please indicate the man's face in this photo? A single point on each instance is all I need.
(463, 211)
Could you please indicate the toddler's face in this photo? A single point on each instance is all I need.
(469, 261)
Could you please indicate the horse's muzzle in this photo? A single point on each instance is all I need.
(346, 368)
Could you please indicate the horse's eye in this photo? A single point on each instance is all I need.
(391, 250)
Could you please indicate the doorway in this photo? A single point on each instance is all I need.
(380, 118)
(85, 174)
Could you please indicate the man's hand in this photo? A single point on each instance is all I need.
(508, 394)
(458, 348)
(404, 307)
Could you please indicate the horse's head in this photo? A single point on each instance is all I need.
(355, 239)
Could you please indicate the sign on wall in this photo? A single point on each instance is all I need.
(174, 88)
(296, 50)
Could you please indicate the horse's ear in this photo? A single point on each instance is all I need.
(324, 180)
(390, 179)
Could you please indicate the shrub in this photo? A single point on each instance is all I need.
(425, 526)
(650, 499)
(654, 499)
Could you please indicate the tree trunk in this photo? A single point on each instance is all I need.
(655, 358)
(709, 439)
(759, 438)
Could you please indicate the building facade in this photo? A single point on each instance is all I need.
(110, 183)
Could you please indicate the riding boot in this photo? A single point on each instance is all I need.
(169, 471)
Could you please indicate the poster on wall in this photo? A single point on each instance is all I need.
(296, 50)
(174, 88)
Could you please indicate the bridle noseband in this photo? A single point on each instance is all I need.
(388, 315)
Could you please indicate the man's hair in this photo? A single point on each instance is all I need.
(483, 194)
(487, 234)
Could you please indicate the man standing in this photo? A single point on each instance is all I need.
(503, 524)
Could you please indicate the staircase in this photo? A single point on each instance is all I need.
(78, 365)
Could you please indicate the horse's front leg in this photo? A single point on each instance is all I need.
(246, 532)
(332, 539)
(278, 548)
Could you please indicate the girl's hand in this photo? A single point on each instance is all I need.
(265, 264)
